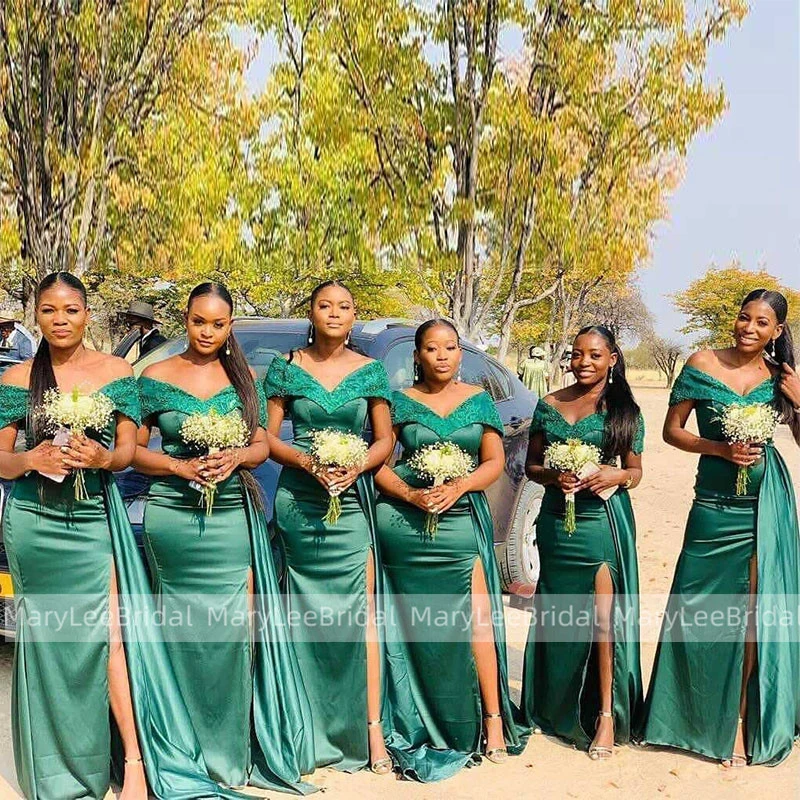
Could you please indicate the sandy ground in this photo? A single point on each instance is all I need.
(548, 768)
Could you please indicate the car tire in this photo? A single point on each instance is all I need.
(518, 556)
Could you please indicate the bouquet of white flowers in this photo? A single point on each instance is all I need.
(211, 433)
(753, 424)
(440, 462)
(337, 449)
(74, 413)
(571, 456)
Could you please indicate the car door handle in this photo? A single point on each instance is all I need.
(515, 422)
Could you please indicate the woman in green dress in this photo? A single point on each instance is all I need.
(238, 675)
(79, 583)
(730, 689)
(331, 567)
(582, 676)
(456, 673)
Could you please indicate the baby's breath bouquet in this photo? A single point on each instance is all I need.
(74, 413)
(751, 424)
(440, 462)
(211, 433)
(337, 449)
(571, 456)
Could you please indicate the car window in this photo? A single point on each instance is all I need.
(260, 347)
(503, 381)
(476, 368)
(399, 363)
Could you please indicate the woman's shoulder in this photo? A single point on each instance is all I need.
(161, 369)
(703, 359)
(113, 367)
(19, 375)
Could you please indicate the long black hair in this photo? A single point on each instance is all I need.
(231, 356)
(622, 411)
(419, 337)
(783, 352)
(315, 292)
(42, 377)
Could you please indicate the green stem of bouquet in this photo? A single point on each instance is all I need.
(207, 497)
(431, 524)
(570, 523)
(80, 486)
(334, 510)
(742, 481)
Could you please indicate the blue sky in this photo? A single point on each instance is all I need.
(740, 196)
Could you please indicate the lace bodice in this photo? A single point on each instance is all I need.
(420, 426)
(591, 430)
(312, 407)
(711, 396)
(169, 405)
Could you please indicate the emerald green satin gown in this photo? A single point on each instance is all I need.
(326, 565)
(693, 701)
(241, 681)
(430, 663)
(60, 553)
(560, 689)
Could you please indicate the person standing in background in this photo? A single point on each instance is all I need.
(143, 334)
(12, 343)
(565, 365)
(533, 372)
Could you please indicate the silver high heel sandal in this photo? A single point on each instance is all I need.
(383, 766)
(599, 752)
(737, 760)
(497, 755)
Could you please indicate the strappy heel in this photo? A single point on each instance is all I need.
(497, 755)
(599, 752)
(383, 766)
(737, 760)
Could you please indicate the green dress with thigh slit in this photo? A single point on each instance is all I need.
(428, 602)
(326, 565)
(693, 702)
(238, 675)
(560, 689)
(60, 552)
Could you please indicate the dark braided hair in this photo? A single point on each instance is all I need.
(783, 352)
(622, 411)
(42, 377)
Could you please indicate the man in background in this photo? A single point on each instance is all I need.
(143, 334)
(533, 371)
(13, 345)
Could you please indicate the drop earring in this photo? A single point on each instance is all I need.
(458, 374)
(772, 348)
(611, 374)
(347, 339)
(417, 376)
(311, 334)
(227, 346)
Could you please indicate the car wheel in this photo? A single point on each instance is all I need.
(518, 557)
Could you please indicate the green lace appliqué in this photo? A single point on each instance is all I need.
(124, 394)
(159, 396)
(549, 420)
(13, 404)
(694, 384)
(285, 379)
(477, 408)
